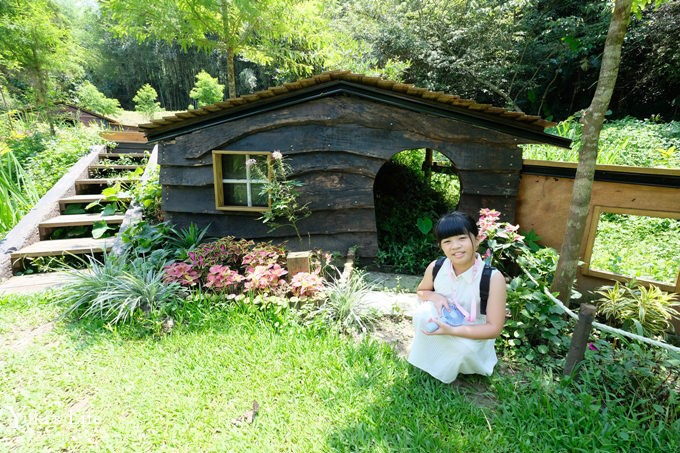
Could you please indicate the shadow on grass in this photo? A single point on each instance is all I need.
(419, 413)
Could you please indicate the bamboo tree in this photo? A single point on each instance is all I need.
(260, 31)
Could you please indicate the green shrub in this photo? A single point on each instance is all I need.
(145, 101)
(119, 288)
(403, 199)
(637, 308)
(537, 330)
(90, 98)
(628, 141)
(207, 90)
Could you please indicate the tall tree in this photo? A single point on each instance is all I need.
(36, 47)
(592, 121)
(259, 30)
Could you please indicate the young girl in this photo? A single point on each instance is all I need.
(467, 348)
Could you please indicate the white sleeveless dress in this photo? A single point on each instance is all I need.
(445, 356)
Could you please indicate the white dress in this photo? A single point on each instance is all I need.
(445, 356)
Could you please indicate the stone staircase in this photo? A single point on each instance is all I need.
(70, 231)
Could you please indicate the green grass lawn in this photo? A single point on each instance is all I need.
(76, 386)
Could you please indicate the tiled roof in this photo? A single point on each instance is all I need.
(178, 120)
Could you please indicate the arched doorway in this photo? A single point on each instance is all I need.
(411, 191)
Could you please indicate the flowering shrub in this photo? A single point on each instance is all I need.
(285, 209)
(222, 278)
(500, 243)
(182, 273)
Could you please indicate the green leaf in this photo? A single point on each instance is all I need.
(99, 229)
(424, 224)
(74, 209)
(109, 209)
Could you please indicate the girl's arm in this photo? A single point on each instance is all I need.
(426, 291)
(495, 315)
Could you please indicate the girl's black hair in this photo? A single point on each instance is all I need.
(455, 223)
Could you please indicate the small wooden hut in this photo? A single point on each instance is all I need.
(336, 130)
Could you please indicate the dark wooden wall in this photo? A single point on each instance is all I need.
(336, 145)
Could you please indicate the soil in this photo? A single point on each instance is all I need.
(396, 331)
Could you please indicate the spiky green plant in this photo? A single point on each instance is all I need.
(115, 290)
(346, 303)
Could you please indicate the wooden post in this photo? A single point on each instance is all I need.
(298, 262)
(579, 338)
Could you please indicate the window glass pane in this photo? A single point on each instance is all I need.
(259, 199)
(640, 246)
(233, 166)
(235, 194)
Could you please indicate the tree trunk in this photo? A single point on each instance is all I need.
(230, 72)
(592, 121)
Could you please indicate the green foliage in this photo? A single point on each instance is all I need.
(39, 50)
(639, 378)
(537, 330)
(645, 310)
(145, 101)
(627, 141)
(117, 289)
(62, 151)
(284, 208)
(637, 246)
(90, 98)
(148, 194)
(207, 90)
(16, 191)
(405, 204)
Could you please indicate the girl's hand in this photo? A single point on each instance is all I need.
(444, 329)
(439, 303)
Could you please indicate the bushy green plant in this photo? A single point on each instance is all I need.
(284, 208)
(345, 303)
(90, 98)
(537, 330)
(145, 101)
(645, 310)
(118, 288)
(148, 194)
(642, 378)
(16, 191)
(626, 141)
(207, 90)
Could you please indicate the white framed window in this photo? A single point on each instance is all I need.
(238, 187)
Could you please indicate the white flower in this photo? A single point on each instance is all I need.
(276, 155)
(250, 163)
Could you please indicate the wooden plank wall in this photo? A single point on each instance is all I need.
(336, 146)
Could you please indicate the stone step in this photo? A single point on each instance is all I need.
(114, 167)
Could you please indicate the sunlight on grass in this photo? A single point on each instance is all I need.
(81, 387)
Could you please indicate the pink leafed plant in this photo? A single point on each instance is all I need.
(306, 284)
(222, 278)
(182, 273)
(265, 277)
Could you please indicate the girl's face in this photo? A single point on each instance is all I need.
(460, 249)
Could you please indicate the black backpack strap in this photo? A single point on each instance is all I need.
(437, 266)
(484, 287)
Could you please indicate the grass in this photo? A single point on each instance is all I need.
(80, 387)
